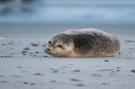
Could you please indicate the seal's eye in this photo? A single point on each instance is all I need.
(60, 46)
(49, 42)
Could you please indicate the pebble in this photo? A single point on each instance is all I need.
(27, 48)
(25, 82)
(34, 44)
(106, 60)
(77, 70)
(53, 81)
(80, 85)
(133, 70)
(75, 80)
(38, 74)
(32, 83)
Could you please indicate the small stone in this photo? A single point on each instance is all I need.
(24, 71)
(118, 67)
(3, 81)
(37, 52)
(45, 56)
(35, 55)
(4, 56)
(133, 70)
(27, 48)
(106, 60)
(32, 83)
(53, 81)
(96, 75)
(54, 71)
(80, 85)
(19, 67)
(117, 70)
(104, 83)
(24, 52)
(77, 70)
(3, 44)
(34, 44)
(38, 74)
(25, 82)
(75, 80)
(52, 68)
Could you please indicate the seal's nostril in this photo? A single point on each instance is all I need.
(48, 49)
(49, 42)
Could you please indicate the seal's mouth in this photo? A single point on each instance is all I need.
(48, 51)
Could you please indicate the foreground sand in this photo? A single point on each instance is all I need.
(23, 65)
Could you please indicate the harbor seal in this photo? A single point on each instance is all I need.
(85, 43)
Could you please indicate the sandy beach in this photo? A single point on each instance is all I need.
(24, 65)
(26, 25)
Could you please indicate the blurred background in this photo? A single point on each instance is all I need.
(42, 16)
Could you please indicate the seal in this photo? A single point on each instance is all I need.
(84, 43)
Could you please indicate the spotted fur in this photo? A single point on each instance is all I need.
(86, 43)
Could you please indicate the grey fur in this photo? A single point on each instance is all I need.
(96, 45)
(89, 43)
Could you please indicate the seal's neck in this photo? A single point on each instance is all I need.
(71, 54)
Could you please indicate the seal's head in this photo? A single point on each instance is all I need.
(60, 45)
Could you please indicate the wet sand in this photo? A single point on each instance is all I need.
(24, 65)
